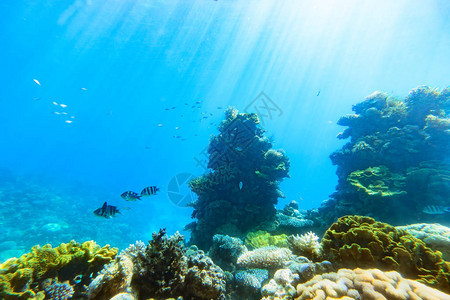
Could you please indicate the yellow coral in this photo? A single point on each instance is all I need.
(18, 274)
(355, 241)
(262, 238)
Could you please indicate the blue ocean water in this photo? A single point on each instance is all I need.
(100, 97)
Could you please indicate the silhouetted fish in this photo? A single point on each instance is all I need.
(149, 191)
(130, 196)
(435, 209)
(106, 211)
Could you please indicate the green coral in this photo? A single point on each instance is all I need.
(377, 181)
(262, 238)
(356, 241)
(20, 277)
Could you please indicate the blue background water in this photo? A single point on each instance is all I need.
(118, 65)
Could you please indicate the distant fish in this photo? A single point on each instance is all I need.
(57, 113)
(63, 105)
(166, 108)
(149, 191)
(160, 125)
(84, 89)
(130, 196)
(219, 107)
(37, 81)
(36, 98)
(173, 107)
(435, 209)
(55, 103)
(240, 185)
(198, 102)
(318, 93)
(106, 211)
(68, 121)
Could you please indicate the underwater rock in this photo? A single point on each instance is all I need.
(365, 284)
(238, 193)
(435, 236)
(355, 241)
(161, 269)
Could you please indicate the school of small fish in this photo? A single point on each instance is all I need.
(109, 211)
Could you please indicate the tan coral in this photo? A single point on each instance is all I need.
(366, 284)
(266, 257)
(305, 245)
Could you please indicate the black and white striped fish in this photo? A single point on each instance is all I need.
(435, 209)
(130, 196)
(149, 191)
(107, 211)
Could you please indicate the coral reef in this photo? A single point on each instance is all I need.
(396, 161)
(22, 277)
(305, 245)
(366, 284)
(262, 238)
(162, 269)
(355, 241)
(435, 236)
(265, 258)
(281, 286)
(239, 192)
(59, 291)
(249, 282)
(225, 251)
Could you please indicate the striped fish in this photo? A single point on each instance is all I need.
(435, 209)
(149, 191)
(130, 196)
(106, 211)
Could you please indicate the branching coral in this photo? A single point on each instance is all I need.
(355, 241)
(305, 245)
(366, 284)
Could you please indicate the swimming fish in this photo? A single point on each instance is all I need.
(149, 191)
(130, 196)
(37, 81)
(318, 93)
(106, 211)
(240, 185)
(435, 209)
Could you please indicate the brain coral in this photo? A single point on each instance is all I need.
(366, 284)
(20, 277)
(356, 241)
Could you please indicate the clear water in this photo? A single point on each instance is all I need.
(118, 65)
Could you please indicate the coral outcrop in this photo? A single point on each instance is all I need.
(239, 192)
(25, 277)
(366, 284)
(355, 241)
(281, 286)
(162, 269)
(396, 161)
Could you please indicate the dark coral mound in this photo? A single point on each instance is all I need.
(239, 192)
(397, 159)
(361, 242)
